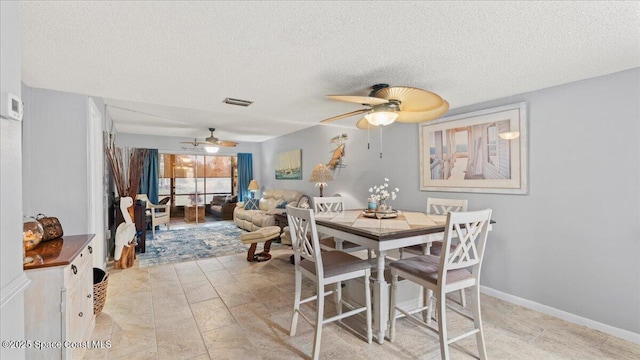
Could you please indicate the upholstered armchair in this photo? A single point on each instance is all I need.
(160, 214)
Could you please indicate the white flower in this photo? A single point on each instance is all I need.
(381, 192)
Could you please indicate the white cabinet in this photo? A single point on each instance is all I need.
(59, 316)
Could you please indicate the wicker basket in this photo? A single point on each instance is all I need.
(100, 294)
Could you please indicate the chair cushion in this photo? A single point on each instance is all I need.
(426, 267)
(251, 204)
(336, 263)
(164, 201)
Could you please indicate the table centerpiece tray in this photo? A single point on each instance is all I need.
(389, 214)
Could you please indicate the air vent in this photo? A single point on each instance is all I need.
(232, 101)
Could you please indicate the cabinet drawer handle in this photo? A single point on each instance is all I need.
(74, 269)
(90, 250)
(80, 314)
(89, 296)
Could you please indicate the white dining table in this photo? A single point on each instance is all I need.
(381, 236)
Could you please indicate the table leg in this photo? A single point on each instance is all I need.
(380, 299)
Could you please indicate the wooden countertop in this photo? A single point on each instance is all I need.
(58, 252)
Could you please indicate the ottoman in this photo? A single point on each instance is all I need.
(265, 234)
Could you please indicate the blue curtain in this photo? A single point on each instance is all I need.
(245, 174)
(149, 178)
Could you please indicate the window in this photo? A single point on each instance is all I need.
(492, 145)
(188, 179)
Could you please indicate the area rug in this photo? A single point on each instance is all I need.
(199, 242)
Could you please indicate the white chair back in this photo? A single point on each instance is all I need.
(329, 203)
(304, 237)
(439, 206)
(470, 228)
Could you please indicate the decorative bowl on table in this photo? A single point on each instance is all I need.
(389, 214)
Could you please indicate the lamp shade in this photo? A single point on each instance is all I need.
(321, 174)
(253, 185)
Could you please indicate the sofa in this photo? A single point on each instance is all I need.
(222, 206)
(252, 220)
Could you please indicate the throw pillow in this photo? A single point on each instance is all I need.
(282, 205)
(251, 204)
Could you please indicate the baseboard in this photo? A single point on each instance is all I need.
(608, 329)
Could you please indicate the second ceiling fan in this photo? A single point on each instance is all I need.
(386, 104)
(211, 143)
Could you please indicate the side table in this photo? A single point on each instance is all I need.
(190, 213)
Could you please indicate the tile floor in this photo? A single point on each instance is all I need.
(228, 308)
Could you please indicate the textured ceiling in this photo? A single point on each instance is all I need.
(179, 60)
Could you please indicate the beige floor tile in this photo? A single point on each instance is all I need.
(191, 275)
(234, 295)
(98, 353)
(211, 314)
(201, 357)
(220, 277)
(199, 291)
(233, 258)
(128, 339)
(210, 264)
(229, 342)
(180, 339)
(228, 308)
(624, 349)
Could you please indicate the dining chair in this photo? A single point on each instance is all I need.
(438, 206)
(333, 204)
(446, 273)
(160, 214)
(323, 268)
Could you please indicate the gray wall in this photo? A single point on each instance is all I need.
(55, 157)
(13, 281)
(573, 243)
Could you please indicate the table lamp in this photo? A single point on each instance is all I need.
(253, 187)
(321, 175)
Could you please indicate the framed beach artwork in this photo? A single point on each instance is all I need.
(483, 152)
(289, 165)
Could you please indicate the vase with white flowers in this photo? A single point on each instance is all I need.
(380, 194)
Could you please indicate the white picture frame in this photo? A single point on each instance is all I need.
(467, 152)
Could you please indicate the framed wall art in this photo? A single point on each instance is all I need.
(289, 165)
(483, 151)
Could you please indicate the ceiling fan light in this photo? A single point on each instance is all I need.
(211, 149)
(381, 118)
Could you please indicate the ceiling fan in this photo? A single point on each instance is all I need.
(386, 104)
(211, 143)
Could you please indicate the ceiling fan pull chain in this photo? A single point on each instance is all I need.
(381, 141)
(368, 138)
